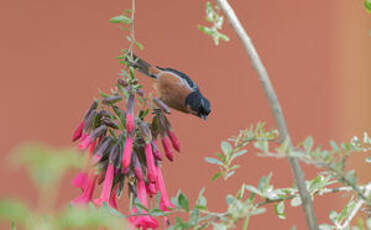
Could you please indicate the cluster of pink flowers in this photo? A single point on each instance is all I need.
(122, 145)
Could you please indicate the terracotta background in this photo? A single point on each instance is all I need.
(54, 56)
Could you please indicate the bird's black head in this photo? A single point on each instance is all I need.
(198, 104)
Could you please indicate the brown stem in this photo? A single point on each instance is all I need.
(276, 109)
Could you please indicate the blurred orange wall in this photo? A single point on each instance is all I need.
(56, 54)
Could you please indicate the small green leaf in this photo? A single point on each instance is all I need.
(216, 176)
(201, 200)
(258, 211)
(308, 144)
(229, 198)
(121, 19)
(334, 146)
(183, 202)
(252, 189)
(351, 177)
(213, 161)
(139, 45)
(262, 145)
(279, 209)
(229, 174)
(326, 227)
(238, 154)
(296, 201)
(226, 147)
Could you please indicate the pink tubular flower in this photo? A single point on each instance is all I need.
(78, 132)
(80, 180)
(151, 172)
(137, 168)
(174, 140)
(129, 122)
(166, 145)
(107, 186)
(84, 144)
(87, 194)
(155, 150)
(112, 201)
(164, 202)
(130, 114)
(144, 221)
(151, 189)
(127, 152)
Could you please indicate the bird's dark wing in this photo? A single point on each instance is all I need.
(187, 80)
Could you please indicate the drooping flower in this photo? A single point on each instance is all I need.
(80, 180)
(137, 168)
(151, 189)
(126, 158)
(174, 140)
(87, 194)
(144, 221)
(78, 132)
(156, 151)
(165, 201)
(107, 186)
(151, 170)
(112, 201)
(166, 145)
(94, 134)
(130, 113)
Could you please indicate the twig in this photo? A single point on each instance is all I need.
(276, 109)
(356, 208)
(319, 192)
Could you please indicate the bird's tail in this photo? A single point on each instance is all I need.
(143, 67)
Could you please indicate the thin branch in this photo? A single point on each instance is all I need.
(319, 192)
(276, 109)
(356, 208)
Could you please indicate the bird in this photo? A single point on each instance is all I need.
(176, 89)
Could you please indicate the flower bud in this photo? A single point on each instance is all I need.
(111, 100)
(162, 105)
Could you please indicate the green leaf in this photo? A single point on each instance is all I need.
(206, 30)
(121, 19)
(201, 200)
(139, 45)
(226, 147)
(221, 156)
(326, 227)
(252, 189)
(216, 176)
(183, 202)
(229, 198)
(262, 145)
(213, 161)
(308, 144)
(334, 146)
(229, 174)
(351, 177)
(238, 154)
(296, 201)
(279, 209)
(219, 227)
(258, 211)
